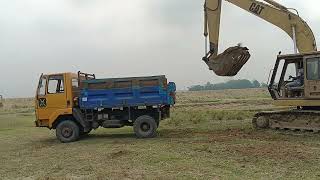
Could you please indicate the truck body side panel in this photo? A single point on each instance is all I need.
(126, 97)
(126, 92)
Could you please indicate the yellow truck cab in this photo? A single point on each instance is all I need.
(74, 104)
(55, 98)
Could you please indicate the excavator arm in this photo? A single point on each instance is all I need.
(232, 60)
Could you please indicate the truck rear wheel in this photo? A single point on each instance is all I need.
(67, 131)
(145, 127)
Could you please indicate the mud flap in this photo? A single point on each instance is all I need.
(228, 63)
(81, 120)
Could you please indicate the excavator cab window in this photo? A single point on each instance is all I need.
(291, 72)
(278, 72)
(288, 78)
(313, 67)
(293, 85)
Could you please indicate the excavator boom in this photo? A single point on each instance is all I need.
(231, 61)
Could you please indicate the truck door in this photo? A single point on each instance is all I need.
(51, 96)
(312, 77)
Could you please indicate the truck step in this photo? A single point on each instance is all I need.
(113, 124)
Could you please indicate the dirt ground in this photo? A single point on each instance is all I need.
(208, 137)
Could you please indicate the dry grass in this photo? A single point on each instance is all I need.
(21, 105)
(210, 139)
(251, 99)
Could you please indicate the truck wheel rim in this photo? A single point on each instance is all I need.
(67, 132)
(145, 127)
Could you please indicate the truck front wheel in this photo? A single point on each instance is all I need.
(67, 131)
(145, 127)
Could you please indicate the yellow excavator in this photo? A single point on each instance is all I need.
(295, 79)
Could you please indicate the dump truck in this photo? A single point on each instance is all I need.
(75, 103)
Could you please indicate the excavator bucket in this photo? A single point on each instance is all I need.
(228, 63)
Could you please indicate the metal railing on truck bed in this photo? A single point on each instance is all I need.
(127, 82)
(84, 76)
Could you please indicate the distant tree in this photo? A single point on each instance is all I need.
(256, 84)
(232, 84)
(196, 88)
(209, 86)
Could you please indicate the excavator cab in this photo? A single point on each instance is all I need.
(296, 76)
(295, 82)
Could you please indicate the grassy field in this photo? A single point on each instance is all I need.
(208, 137)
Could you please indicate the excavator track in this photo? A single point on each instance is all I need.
(304, 120)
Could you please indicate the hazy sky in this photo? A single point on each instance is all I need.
(130, 38)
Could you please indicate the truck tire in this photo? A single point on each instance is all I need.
(67, 131)
(145, 127)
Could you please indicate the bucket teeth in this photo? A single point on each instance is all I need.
(230, 62)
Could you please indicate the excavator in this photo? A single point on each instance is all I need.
(295, 78)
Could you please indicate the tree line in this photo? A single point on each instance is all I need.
(232, 84)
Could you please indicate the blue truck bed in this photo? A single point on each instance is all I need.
(126, 92)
